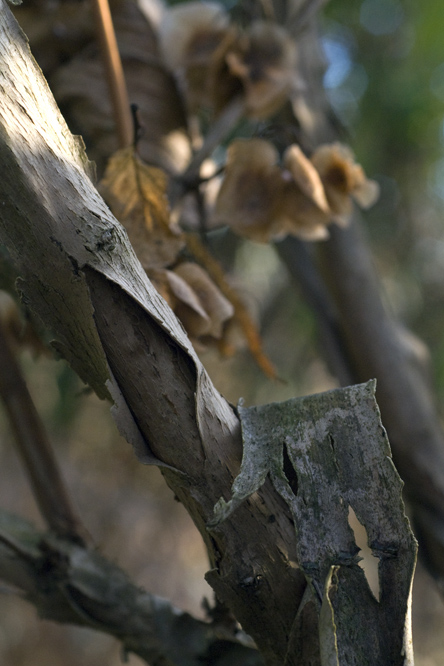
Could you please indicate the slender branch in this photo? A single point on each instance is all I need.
(300, 20)
(114, 72)
(35, 449)
(219, 131)
(295, 255)
(69, 583)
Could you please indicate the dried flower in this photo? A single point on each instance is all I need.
(261, 201)
(343, 178)
(248, 200)
(189, 35)
(264, 59)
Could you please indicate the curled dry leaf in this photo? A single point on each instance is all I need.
(136, 193)
(195, 299)
(343, 178)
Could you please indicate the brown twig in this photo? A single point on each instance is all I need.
(114, 72)
(217, 133)
(34, 448)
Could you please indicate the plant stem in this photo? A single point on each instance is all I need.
(34, 448)
(114, 72)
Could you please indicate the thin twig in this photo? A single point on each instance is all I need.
(298, 23)
(16, 547)
(34, 448)
(218, 132)
(114, 72)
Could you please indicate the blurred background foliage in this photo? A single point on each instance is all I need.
(385, 80)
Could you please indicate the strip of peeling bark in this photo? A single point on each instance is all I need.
(79, 272)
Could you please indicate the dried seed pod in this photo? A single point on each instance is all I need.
(343, 178)
(189, 35)
(216, 307)
(248, 200)
(263, 202)
(264, 58)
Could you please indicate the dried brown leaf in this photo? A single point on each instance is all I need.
(241, 314)
(136, 193)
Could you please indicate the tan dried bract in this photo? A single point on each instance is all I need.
(264, 58)
(343, 179)
(195, 299)
(249, 197)
(190, 35)
(215, 61)
(261, 201)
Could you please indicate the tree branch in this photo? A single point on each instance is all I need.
(80, 274)
(34, 448)
(68, 583)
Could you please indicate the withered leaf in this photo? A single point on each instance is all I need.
(136, 193)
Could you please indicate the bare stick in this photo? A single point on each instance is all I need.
(217, 133)
(114, 72)
(34, 447)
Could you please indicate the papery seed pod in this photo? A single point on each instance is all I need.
(217, 308)
(249, 197)
(343, 178)
(189, 36)
(264, 58)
